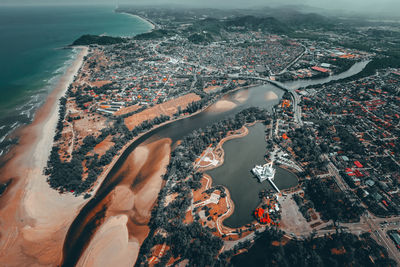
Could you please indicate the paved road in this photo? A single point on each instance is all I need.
(369, 222)
(230, 244)
(295, 96)
(293, 62)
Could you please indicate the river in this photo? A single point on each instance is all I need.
(265, 96)
(356, 68)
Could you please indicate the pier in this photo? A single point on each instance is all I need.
(265, 172)
(271, 181)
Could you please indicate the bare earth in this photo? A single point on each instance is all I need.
(168, 108)
(211, 89)
(126, 110)
(292, 220)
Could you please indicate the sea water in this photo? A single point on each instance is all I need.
(32, 58)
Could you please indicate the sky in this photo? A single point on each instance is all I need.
(357, 6)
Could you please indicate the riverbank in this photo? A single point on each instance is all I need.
(118, 239)
(219, 153)
(224, 231)
(34, 218)
(121, 152)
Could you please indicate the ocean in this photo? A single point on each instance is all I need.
(32, 58)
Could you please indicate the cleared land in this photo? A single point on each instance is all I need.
(168, 108)
(292, 220)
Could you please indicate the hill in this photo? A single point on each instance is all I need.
(88, 39)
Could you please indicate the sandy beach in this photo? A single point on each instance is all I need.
(152, 24)
(222, 106)
(118, 240)
(34, 218)
(271, 96)
(241, 96)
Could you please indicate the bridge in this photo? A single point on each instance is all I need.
(295, 96)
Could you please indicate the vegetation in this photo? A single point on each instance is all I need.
(266, 24)
(341, 249)
(197, 38)
(89, 39)
(305, 148)
(190, 241)
(67, 175)
(331, 202)
(155, 34)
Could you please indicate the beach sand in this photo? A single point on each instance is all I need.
(241, 96)
(222, 106)
(271, 96)
(152, 24)
(111, 245)
(118, 240)
(34, 218)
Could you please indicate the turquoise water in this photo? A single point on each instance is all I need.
(32, 58)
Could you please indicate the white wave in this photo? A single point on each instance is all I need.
(2, 127)
(14, 124)
(59, 70)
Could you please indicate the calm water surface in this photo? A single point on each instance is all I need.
(241, 155)
(31, 56)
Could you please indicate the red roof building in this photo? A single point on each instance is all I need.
(320, 69)
(358, 164)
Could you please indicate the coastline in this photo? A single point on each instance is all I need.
(28, 198)
(153, 25)
(28, 223)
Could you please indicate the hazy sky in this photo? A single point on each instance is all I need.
(367, 6)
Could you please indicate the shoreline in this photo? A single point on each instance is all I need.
(221, 158)
(133, 204)
(221, 227)
(45, 91)
(121, 152)
(153, 25)
(28, 198)
(244, 131)
(28, 222)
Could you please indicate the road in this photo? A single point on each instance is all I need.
(293, 62)
(230, 244)
(295, 96)
(369, 222)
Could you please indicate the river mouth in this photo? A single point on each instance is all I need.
(241, 155)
